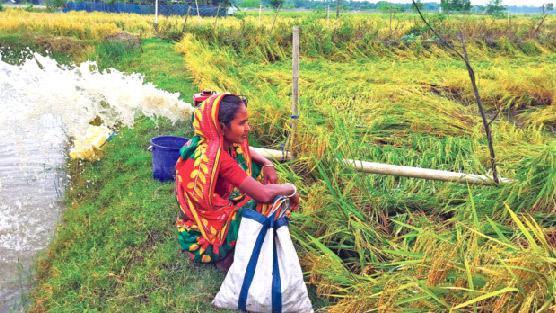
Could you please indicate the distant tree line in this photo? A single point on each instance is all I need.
(494, 7)
(223, 3)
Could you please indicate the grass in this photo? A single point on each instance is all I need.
(147, 61)
(115, 249)
(367, 242)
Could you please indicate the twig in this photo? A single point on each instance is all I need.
(540, 23)
(494, 117)
(486, 125)
(185, 18)
(216, 19)
(471, 73)
(275, 15)
(443, 41)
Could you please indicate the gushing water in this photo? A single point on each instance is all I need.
(43, 104)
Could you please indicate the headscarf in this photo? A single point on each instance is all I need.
(197, 172)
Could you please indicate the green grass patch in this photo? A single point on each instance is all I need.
(157, 60)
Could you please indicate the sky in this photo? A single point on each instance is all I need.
(483, 2)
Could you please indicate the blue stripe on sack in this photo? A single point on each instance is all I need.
(283, 221)
(252, 264)
(276, 281)
(254, 215)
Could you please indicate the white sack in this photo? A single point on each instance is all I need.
(277, 265)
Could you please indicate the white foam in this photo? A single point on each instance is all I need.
(78, 94)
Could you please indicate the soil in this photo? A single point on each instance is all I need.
(131, 41)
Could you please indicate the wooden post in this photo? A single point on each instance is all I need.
(185, 18)
(390, 36)
(295, 86)
(260, 12)
(156, 15)
(216, 19)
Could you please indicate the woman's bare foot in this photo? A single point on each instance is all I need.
(224, 264)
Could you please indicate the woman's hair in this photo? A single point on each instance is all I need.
(229, 105)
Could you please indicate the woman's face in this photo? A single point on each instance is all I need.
(238, 129)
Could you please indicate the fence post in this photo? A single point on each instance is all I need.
(185, 18)
(156, 15)
(295, 87)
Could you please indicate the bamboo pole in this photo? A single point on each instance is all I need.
(397, 170)
(295, 86)
(156, 15)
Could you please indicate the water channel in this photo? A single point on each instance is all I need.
(43, 107)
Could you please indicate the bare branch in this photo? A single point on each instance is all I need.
(539, 25)
(442, 40)
(494, 117)
(486, 125)
(471, 73)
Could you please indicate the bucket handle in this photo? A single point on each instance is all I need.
(150, 148)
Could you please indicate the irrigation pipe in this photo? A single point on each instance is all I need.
(397, 170)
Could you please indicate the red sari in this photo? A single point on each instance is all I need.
(207, 180)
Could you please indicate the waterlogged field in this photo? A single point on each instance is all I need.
(373, 92)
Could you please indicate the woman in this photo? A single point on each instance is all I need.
(216, 179)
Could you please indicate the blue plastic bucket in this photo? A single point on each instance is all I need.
(165, 152)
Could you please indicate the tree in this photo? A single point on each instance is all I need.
(387, 7)
(418, 6)
(52, 5)
(276, 4)
(495, 8)
(545, 8)
(455, 5)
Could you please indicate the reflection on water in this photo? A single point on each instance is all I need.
(42, 105)
(31, 186)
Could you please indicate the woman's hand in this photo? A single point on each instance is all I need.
(294, 202)
(269, 174)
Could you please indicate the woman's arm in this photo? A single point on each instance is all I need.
(269, 173)
(265, 193)
(259, 158)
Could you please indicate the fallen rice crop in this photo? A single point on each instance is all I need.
(384, 243)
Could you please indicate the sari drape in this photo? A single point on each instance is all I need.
(207, 222)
